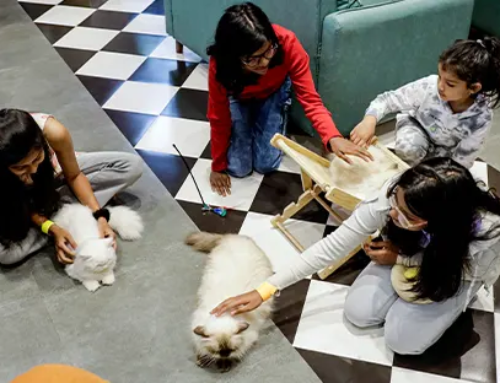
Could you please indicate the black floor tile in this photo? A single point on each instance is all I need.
(132, 125)
(278, 190)
(288, 308)
(207, 153)
(169, 169)
(53, 32)
(188, 103)
(348, 272)
(75, 58)
(100, 88)
(156, 8)
(162, 71)
(207, 221)
(84, 3)
(108, 20)
(466, 350)
(134, 43)
(335, 369)
(34, 11)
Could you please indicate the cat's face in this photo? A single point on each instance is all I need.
(223, 346)
(98, 255)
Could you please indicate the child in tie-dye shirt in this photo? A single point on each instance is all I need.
(445, 115)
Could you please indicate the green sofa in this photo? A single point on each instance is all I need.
(357, 48)
(486, 16)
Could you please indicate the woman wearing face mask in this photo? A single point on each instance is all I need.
(253, 67)
(38, 170)
(439, 228)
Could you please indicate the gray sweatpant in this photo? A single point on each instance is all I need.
(413, 144)
(108, 174)
(409, 328)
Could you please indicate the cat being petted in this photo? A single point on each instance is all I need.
(95, 258)
(235, 265)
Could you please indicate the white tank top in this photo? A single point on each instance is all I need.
(41, 120)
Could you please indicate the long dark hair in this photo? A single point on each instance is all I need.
(476, 61)
(242, 30)
(445, 194)
(19, 135)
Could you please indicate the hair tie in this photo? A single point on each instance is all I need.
(480, 42)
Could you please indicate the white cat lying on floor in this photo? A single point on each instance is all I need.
(235, 265)
(95, 258)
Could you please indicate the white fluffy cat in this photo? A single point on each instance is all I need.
(235, 265)
(95, 258)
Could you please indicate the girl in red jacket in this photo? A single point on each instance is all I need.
(253, 67)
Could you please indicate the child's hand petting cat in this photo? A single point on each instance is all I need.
(106, 230)
(363, 133)
(65, 254)
(344, 148)
(239, 305)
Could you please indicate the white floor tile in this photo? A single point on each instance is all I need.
(401, 375)
(49, 2)
(322, 328)
(483, 301)
(243, 190)
(480, 171)
(198, 79)
(86, 38)
(141, 97)
(166, 50)
(278, 248)
(148, 24)
(65, 15)
(190, 136)
(113, 65)
(288, 165)
(134, 6)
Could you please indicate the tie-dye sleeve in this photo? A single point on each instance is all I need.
(468, 149)
(408, 97)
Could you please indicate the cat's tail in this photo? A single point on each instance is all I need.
(203, 241)
(126, 222)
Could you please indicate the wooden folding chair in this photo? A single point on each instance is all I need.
(316, 179)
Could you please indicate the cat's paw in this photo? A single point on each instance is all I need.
(108, 280)
(91, 285)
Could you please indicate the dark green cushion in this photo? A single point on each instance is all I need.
(347, 4)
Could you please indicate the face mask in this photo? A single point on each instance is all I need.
(402, 220)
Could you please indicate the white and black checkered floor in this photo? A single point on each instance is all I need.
(119, 51)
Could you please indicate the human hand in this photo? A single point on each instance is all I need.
(382, 252)
(221, 183)
(240, 304)
(363, 133)
(106, 231)
(343, 148)
(64, 243)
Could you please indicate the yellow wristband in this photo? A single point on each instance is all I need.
(266, 290)
(46, 226)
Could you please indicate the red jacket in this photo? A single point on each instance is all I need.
(296, 65)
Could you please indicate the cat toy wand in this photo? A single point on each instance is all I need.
(220, 211)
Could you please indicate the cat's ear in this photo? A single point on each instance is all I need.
(200, 330)
(242, 326)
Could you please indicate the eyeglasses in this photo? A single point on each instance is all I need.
(254, 61)
(402, 218)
